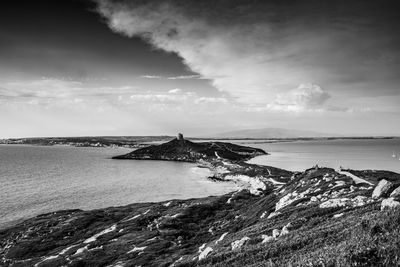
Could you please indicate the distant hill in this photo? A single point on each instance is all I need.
(271, 133)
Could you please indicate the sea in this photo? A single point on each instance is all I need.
(359, 154)
(42, 179)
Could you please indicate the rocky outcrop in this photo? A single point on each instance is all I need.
(346, 202)
(396, 192)
(276, 233)
(205, 252)
(180, 149)
(389, 203)
(267, 238)
(382, 189)
(319, 203)
(239, 243)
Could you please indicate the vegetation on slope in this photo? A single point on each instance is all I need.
(185, 150)
(318, 218)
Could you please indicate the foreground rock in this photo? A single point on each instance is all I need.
(382, 189)
(192, 232)
(389, 203)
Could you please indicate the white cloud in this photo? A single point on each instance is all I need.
(175, 91)
(176, 99)
(238, 59)
(184, 77)
(211, 100)
(306, 97)
(51, 91)
(180, 77)
(151, 77)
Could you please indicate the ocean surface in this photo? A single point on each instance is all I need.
(361, 154)
(39, 179)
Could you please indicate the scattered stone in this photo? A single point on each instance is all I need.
(339, 183)
(205, 253)
(338, 215)
(284, 231)
(167, 204)
(273, 214)
(289, 199)
(389, 203)
(81, 250)
(221, 238)
(94, 238)
(267, 238)
(276, 233)
(395, 192)
(239, 243)
(359, 201)
(335, 202)
(343, 202)
(382, 188)
(202, 247)
(135, 249)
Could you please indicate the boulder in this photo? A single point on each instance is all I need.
(205, 253)
(267, 238)
(273, 214)
(359, 201)
(239, 243)
(396, 192)
(381, 190)
(276, 233)
(389, 203)
(335, 202)
(285, 230)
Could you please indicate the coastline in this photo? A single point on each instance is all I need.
(272, 209)
(136, 233)
(132, 142)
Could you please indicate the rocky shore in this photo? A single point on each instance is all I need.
(319, 217)
(226, 161)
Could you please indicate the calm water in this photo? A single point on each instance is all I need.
(35, 180)
(354, 154)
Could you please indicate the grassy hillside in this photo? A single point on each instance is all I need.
(316, 218)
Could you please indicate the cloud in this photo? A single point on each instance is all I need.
(211, 100)
(52, 91)
(175, 91)
(184, 77)
(225, 56)
(151, 77)
(181, 77)
(306, 97)
(254, 50)
(176, 99)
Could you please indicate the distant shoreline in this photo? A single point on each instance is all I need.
(133, 142)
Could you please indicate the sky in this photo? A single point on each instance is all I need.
(147, 67)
